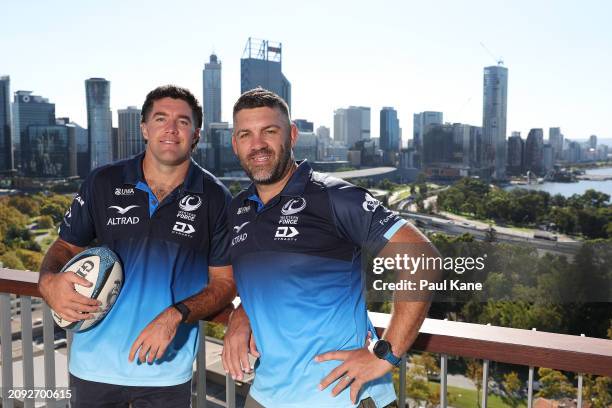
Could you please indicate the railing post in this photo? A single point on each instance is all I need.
(530, 384)
(580, 377)
(27, 351)
(485, 380)
(49, 352)
(201, 369)
(402, 382)
(443, 380)
(230, 392)
(6, 348)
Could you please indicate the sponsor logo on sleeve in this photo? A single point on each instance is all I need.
(293, 206)
(79, 200)
(370, 204)
(190, 203)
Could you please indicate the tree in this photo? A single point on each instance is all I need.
(512, 386)
(417, 379)
(45, 222)
(31, 260)
(596, 390)
(554, 384)
(474, 373)
(54, 210)
(11, 260)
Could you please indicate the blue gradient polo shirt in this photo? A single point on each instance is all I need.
(297, 265)
(165, 248)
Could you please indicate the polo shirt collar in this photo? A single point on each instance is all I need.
(295, 186)
(132, 174)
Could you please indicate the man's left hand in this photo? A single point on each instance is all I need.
(154, 339)
(359, 367)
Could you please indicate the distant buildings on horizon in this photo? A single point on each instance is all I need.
(34, 143)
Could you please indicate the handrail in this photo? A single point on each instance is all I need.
(514, 346)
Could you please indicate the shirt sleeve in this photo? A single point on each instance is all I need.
(219, 252)
(78, 227)
(362, 219)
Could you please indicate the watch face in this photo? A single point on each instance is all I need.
(381, 348)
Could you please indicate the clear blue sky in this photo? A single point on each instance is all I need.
(412, 55)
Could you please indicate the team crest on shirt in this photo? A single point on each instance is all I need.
(293, 206)
(370, 204)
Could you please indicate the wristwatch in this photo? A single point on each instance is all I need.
(183, 310)
(382, 350)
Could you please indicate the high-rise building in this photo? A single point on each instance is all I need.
(593, 142)
(221, 158)
(129, 137)
(307, 147)
(48, 151)
(389, 130)
(534, 146)
(515, 154)
(6, 141)
(422, 122)
(261, 65)
(495, 107)
(352, 125)
(555, 139)
(29, 110)
(211, 102)
(99, 121)
(547, 158)
(303, 125)
(323, 133)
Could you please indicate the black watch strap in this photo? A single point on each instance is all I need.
(183, 310)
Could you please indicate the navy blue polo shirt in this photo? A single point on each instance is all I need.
(297, 265)
(165, 248)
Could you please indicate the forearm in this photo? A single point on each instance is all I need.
(212, 299)
(56, 257)
(403, 329)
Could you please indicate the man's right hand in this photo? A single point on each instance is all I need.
(58, 291)
(237, 345)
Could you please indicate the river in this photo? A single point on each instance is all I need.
(568, 189)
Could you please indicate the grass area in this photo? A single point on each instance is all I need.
(464, 398)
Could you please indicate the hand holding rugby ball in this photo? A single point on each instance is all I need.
(102, 268)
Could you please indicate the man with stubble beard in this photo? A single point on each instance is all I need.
(297, 237)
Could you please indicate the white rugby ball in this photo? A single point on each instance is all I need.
(102, 268)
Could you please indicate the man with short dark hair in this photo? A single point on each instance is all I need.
(165, 217)
(296, 249)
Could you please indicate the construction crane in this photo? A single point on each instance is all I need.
(499, 60)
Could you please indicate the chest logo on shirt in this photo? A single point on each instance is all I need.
(183, 229)
(293, 206)
(286, 234)
(243, 210)
(124, 191)
(190, 203)
(370, 204)
(123, 220)
(237, 228)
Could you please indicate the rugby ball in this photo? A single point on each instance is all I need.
(102, 268)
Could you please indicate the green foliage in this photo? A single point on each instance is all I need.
(11, 260)
(45, 222)
(589, 214)
(512, 386)
(216, 330)
(54, 210)
(31, 260)
(25, 205)
(418, 388)
(235, 188)
(386, 184)
(554, 384)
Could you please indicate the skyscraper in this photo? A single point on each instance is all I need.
(422, 122)
(129, 137)
(495, 99)
(555, 139)
(534, 151)
(515, 154)
(29, 110)
(303, 125)
(211, 91)
(389, 130)
(99, 121)
(48, 151)
(261, 65)
(6, 141)
(352, 125)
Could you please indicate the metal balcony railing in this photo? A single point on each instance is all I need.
(578, 354)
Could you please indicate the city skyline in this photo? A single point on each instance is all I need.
(370, 57)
